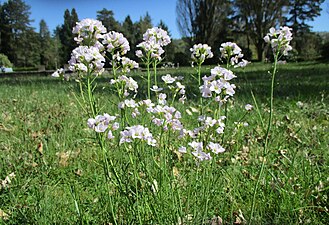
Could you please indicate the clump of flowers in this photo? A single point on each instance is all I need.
(218, 84)
(157, 35)
(201, 52)
(233, 53)
(102, 123)
(137, 132)
(128, 84)
(116, 44)
(89, 31)
(87, 59)
(280, 39)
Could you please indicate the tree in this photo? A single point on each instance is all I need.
(301, 11)
(257, 17)
(66, 36)
(46, 45)
(14, 25)
(108, 20)
(142, 25)
(129, 31)
(204, 21)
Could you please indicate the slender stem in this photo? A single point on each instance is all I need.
(148, 77)
(199, 81)
(269, 126)
(155, 73)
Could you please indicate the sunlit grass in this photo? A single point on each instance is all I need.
(62, 181)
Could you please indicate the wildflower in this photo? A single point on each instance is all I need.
(129, 83)
(155, 88)
(280, 39)
(128, 64)
(201, 52)
(162, 99)
(87, 59)
(248, 107)
(58, 73)
(151, 49)
(168, 79)
(89, 31)
(116, 43)
(137, 132)
(157, 35)
(215, 147)
(228, 49)
(101, 122)
(222, 73)
(182, 149)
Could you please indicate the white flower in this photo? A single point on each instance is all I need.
(137, 132)
(215, 147)
(168, 79)
(280, 39)
(100, 123)
(156, 88)
(84, 58)
(116, 43)
(248, 107)
(157, 35)
(89, 31)
(182, 149)
(200, 52)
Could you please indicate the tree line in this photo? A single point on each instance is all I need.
(26, 47)
(248, 21)
(200, 21)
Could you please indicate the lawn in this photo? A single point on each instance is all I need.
(59, 170)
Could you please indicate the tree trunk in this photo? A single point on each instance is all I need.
(260, 51)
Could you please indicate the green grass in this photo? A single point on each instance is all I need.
(65, 183)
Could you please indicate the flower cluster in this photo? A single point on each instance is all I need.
(218, 83)
(128, 64)
(153, 41)
(177, 89)
(101, 123)
(157, 35)
(201, 52)
(87, 59)
(137, 132)
(152, 49)
(166, 116)
(116, 44)
(89, 31)
(232, 52)
(199, 150)
(129, 84)
(280, 39)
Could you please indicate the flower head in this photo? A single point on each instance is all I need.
(88, 31)
(201, 52)
(280, 39)
(157, 35)
(85, 58)
(116, 43)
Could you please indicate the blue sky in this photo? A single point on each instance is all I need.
(52, 11)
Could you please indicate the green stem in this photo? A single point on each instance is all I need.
(155, 73)
(148, 77)
(269, 126)
(199, 81)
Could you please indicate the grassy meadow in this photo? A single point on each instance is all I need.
(59, 176)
